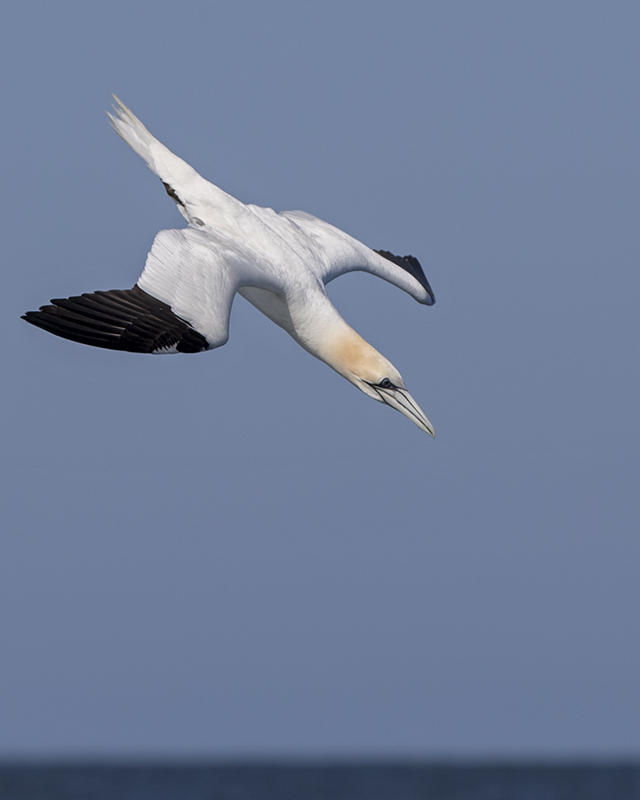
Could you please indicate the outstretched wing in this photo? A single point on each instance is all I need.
(342, 253)
(180, 304)
(119, 319)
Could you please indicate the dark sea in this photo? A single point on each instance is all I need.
(340, 781)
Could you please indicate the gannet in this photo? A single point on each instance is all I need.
(279, 262)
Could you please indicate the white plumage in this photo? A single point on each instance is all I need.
(280, 262)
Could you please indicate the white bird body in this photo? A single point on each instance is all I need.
(279, 262)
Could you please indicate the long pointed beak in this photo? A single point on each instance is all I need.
(401, 400)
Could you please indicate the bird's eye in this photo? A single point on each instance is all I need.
(386, 384)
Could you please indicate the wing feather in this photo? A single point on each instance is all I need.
(342, 253)
(181, 302)
(129, 319)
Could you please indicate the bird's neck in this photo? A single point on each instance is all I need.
(326, 335)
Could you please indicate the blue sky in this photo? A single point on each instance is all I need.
(237, 552)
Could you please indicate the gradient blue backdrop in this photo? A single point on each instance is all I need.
(237, 552)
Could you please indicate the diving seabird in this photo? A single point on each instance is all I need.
(279, 262)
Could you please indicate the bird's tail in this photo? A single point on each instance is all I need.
(175, 173)
(181, 181)
(129, 127)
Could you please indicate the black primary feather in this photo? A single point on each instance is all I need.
(119, 319)
(413, 267)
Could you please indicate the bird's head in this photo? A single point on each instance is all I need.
(364, 367)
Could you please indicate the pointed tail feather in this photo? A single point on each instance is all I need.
(128, 126)
(181, 181)
(170, 168)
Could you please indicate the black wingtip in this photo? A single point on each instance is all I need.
(32, 316)
(414, 268)
(119, 319)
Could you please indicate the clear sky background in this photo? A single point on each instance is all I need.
(237, 552)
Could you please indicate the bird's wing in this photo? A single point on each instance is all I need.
(181, 302)
(342, 253)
